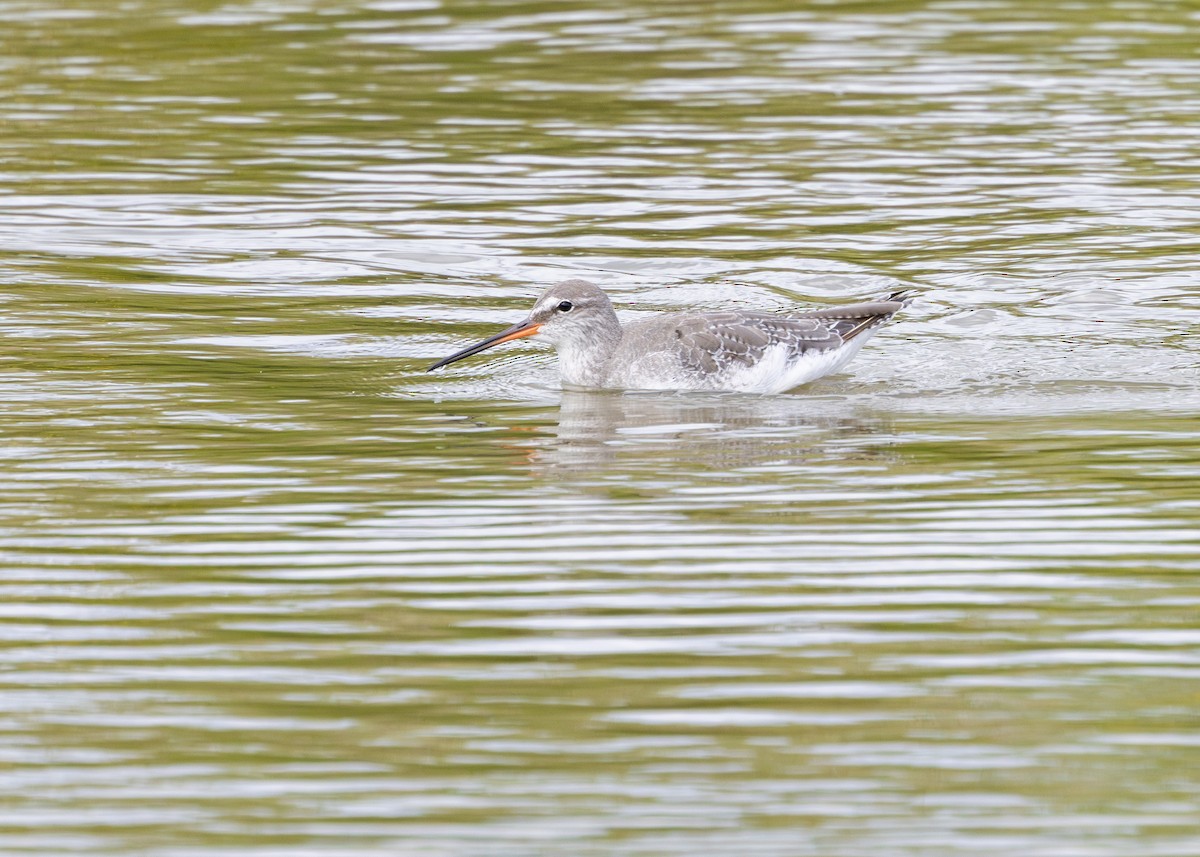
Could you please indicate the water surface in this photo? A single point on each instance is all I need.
(267, 587)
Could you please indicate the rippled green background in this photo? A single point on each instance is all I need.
(266, 587)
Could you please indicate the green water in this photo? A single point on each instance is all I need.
(268, 588)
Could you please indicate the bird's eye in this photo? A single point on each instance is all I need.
(566, 306)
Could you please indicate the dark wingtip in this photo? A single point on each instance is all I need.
(903, 297)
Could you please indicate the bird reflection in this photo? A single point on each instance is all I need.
(599, 431)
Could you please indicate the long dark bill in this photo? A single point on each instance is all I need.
(517, 331)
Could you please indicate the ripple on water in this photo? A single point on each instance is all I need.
(268, 587)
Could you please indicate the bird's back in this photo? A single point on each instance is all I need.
(743, 350)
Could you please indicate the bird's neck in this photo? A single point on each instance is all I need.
(584, 362)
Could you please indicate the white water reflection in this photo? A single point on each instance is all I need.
(721, 433)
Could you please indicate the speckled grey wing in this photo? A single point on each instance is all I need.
(711, 341)
(714, 341)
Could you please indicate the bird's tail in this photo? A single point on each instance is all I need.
(877, 313)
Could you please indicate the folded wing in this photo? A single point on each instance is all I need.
(714, 341)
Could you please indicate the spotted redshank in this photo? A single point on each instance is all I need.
(734, 350)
